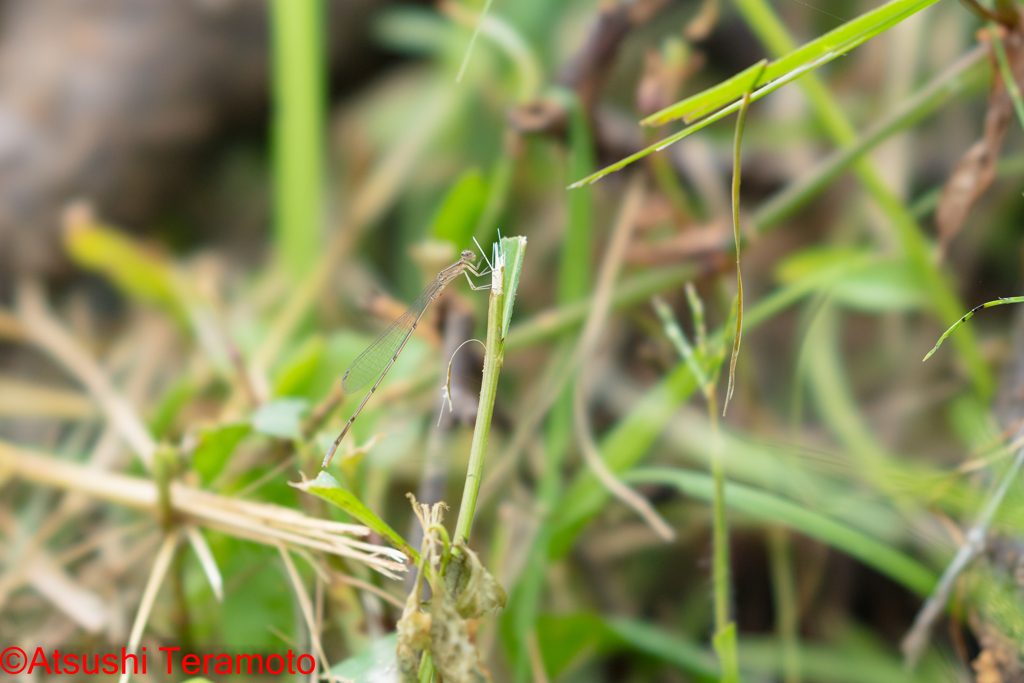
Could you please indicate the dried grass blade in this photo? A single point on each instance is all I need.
(206, 559)
(307, 608)
(28, 399)
(262, 523)
(610, 267)
(737, 157)
(82, 605)
(156, 577)
(44, 330)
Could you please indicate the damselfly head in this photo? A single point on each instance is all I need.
(468, 256)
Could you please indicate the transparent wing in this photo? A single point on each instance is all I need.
(372, 362)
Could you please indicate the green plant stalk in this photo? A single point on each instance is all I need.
(298, 131)
(494, 357)
(787, 617)
(720, 530)
(724, 640)
(1006, 72)
(762, 19)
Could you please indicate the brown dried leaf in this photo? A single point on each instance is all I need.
(985, 668)
(999, 661)
(701, 26)
(976, 170)
(697, 241)
(665, 71)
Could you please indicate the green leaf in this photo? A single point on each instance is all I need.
(841, 39)
(811, 262)
(769, 508)
(458, 214)
(512, 249)
(327, 487)
(298, 371)
(851, 660)
(725, 645)
(215, 447)
(564, 638)
(375, 664)
(660, 644)
(281, 418)
(169, 405)
(856, 278)
(880, 287)
(142, 274)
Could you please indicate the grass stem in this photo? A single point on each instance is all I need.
(299, 104)
(494, 357)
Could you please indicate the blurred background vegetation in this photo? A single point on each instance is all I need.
(212, 209)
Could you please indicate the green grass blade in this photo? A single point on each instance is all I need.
(737, 157)
(472, 41)
(767, 89)
(962, 75)
(768, 508)
(676, 335)
(762, 19)
(513, 249)
(298, 136)
(839, 40)
(967, 316)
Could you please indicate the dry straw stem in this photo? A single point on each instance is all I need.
(156, 578)
(260, 522)
(28, 399)
(85, 607)
(736, 164)
(48, 334)
(307, 608)
(916, 640)
(10, 328)
(206, 559)
(631, 204)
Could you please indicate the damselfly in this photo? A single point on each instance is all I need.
(374, 363)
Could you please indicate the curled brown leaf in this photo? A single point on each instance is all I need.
(976, 170)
